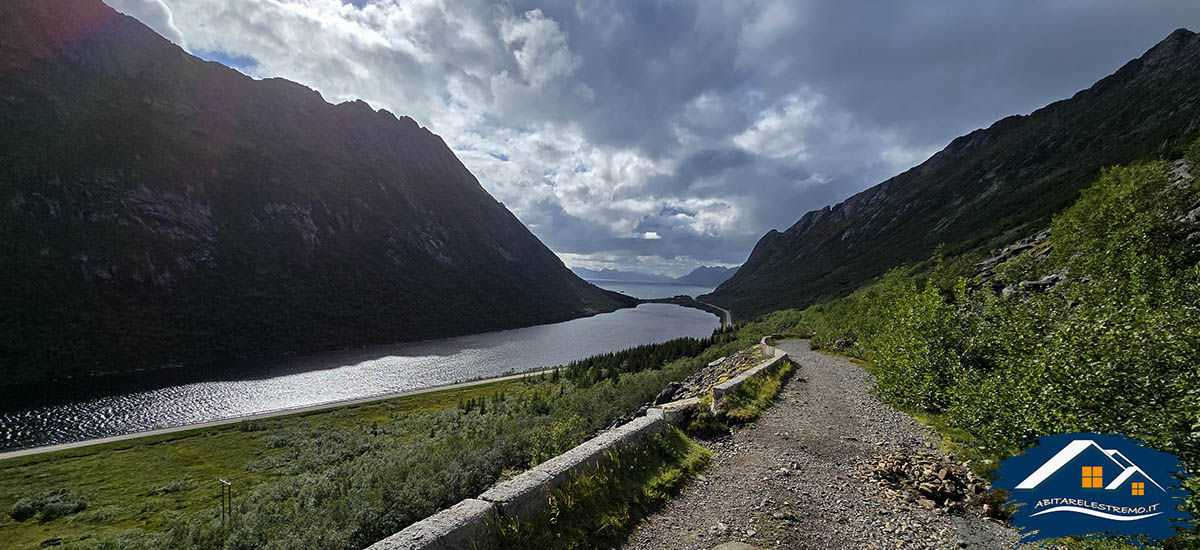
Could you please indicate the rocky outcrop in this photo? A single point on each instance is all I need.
(984, 188)
(157, 208)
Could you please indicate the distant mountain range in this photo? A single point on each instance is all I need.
(989, 187)
(701, 276)
(707, 276)
(156, 208)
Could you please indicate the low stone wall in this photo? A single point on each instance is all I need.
(459, 526)
(465, 525)
(768, 349)
(720, 391)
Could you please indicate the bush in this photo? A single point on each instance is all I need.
(179, 485)
(49, 505)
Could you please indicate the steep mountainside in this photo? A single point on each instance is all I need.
(707, 276)
(156, 208)
(984, 188)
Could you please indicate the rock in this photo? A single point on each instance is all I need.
(51, 542)
(1045, 283)
(668, 394)
(843, 343)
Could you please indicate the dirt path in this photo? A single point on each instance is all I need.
(798, 478)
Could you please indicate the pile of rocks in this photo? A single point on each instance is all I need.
(1002, 255)
(932, 481)
(716, 372)
(700, 383)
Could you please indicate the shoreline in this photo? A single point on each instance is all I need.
(30, 451)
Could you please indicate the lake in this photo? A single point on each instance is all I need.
(117, 405)
(649, 291)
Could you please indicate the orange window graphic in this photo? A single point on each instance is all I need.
(1093, 477)
(1139, 489)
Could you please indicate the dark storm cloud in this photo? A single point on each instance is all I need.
(665, 134)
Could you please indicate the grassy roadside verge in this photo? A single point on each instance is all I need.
(598, 509)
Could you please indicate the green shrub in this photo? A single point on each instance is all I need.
(103, 514)
(551, 440)
(1193, 155)
(49, 505)
(179, 485)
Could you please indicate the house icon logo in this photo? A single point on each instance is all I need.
(1084, 484)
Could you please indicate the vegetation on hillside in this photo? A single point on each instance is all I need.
(1114, 347)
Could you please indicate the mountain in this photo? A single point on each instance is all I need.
(623, 276)
(707, 276)
(156, 208)
(985, 188)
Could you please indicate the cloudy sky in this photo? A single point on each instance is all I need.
(658, 136)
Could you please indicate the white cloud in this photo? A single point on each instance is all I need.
(154, 14)
(539, 47)
(602, 123)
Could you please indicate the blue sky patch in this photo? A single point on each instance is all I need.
(241, 62)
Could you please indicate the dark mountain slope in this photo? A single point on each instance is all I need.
(984, 188)
(156, 208)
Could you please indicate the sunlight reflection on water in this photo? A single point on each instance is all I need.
(86, 410)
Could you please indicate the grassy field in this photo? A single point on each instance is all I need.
(144, 483)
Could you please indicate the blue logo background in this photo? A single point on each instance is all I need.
(1058, 492)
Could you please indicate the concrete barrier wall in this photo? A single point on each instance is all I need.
(521, 498)
(722, 390)
(768, 349)
(465, 525)
(460, 526)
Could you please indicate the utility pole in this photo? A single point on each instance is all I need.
(226, 504)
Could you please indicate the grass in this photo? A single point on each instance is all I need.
(598, 510)
(143, 483)
(753, 397)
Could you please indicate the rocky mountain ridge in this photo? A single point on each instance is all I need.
(985, 188)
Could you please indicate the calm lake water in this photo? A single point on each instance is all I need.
(648, 291)
(92, 408)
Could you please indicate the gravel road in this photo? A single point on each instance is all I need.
(800, 476)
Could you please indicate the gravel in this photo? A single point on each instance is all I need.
(805, 476)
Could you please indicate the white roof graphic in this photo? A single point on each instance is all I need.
(1072, 450)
